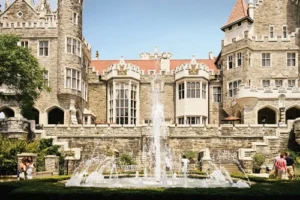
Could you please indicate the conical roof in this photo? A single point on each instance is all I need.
(239, 11)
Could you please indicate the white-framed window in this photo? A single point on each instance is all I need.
(279, 83)
(24, 43)
(291, 59)
(84, 91)
(181, 91)
(75, 17)
(46, 77)
(180, 120)
(123, 102)
(204, 90)
(266, 83)
(193, 90)
(239, 59)
(73, 46)
(217, 92)
(271, 31)
(233, 86)
(284, 32)
(193, 120)
(44, 48)
(230, 62)
(73, 79)
(266, 59)
(291, 83)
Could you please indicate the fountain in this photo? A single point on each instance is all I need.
(160, 172)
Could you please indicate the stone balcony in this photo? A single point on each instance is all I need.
(248, 96)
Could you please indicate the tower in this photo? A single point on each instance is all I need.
(72, 75)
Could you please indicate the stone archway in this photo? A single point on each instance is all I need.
(7, 112)
(56, 116)
(266, 115)
(292, 113)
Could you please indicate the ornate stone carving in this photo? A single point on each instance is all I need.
(122, 71)
(193, 70)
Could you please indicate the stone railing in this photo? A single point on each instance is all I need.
(28, 25)
(14, 125)
(269, 93)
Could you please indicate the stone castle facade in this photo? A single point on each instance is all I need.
(254, 80)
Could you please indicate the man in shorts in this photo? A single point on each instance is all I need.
(289, 165)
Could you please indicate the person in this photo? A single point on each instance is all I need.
(281, 166)
(263, 120)
(289, 165)
(185, 162)
(30, 167)
(22, 169)
(275, 169)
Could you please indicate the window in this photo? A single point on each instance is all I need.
(266, 59)
(84, 91)
(85, 64)
(181, 120)
(75, 18)
(291, 59)
(73, 79)
(46, 78)
(217, 94)
(292, 83)
(43, 48)
(148, 121)
(193, 90)
(266, 83)
(193, 120)
(271, 29)
(203, 91)
(230, 62)
(181, 91)
(239, 59)
(24, 44)
(73, 46)
(123, 95)
(233, 86)
(279, 83)
(284, 32)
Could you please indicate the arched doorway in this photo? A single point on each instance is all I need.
(7, 112)
(56, 116)
(34, 114)
(292, 113)
(266, 116)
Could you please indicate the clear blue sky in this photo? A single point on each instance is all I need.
(128, 27)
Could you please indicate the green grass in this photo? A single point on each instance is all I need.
(53, 188)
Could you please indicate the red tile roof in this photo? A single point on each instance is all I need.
(101, 65)
(239, 11)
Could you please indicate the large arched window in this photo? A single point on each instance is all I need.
(266, 116)
(7, 112)
(292, 113)
(33, 115)
(56, 116)
(123, 102)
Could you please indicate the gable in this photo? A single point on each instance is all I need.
(19, 6)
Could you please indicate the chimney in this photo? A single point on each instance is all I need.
(210, 56)
(251, 9)
(97, 55)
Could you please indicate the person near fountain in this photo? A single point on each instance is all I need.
(275, 169)
(281, 166)
(30, 167)
(185, 163)
(22, 169)
(289, 165)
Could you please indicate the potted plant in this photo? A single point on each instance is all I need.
(258, 161)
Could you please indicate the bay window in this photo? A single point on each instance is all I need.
(73, 79)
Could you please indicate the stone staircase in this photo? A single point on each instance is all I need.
(64, 146)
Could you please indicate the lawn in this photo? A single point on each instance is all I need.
(53, 189)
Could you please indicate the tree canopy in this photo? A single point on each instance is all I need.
(20, 72)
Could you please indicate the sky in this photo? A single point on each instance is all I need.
(129, 27)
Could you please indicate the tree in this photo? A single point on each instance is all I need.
(20, 72)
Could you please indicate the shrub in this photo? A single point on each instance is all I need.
(126, 159)
(258, 160)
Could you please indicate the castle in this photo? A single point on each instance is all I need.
(254, 80)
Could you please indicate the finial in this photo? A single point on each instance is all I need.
(97, 55)
(155, 49)
(6, 4)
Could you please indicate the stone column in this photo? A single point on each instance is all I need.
(52, 164)
(247, 165)
(24, 155)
